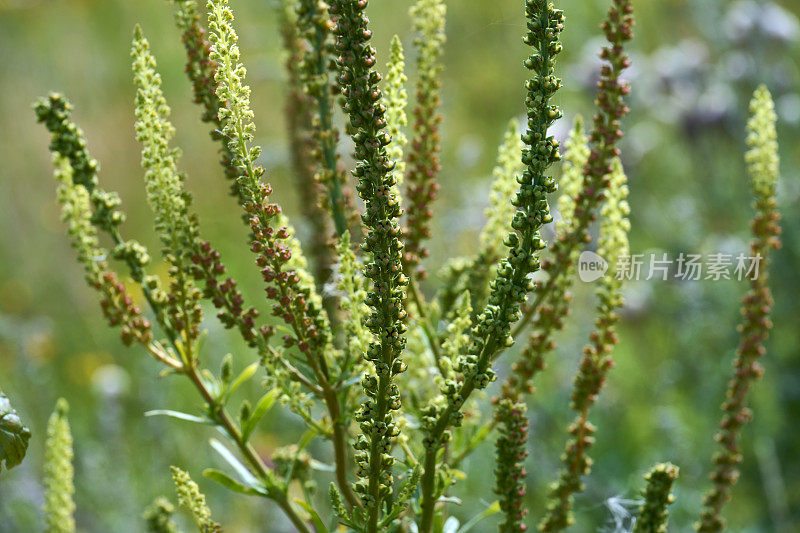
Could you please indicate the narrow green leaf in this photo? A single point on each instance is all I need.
(237, 465)
(228, 482)
(179, 415)
(319, 525)
(493, 509)
(320, 466)
(262, 408)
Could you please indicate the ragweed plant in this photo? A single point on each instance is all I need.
(394, 381)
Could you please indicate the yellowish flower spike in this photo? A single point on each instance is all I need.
(457, 340)
(59, 506)
(614, 224)
(165, 192)
(571, 184)
(194, 501)
(278, 252)
(353, 288)
(396, 101)
(762, 139)
(501, 211)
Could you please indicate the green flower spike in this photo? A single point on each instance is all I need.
(314, 27)
(375, 174)
(58, 473)
(396, 102)
(302, 143)
(653, 514)
(571, 184)
(169, 201)
(491, 333)
(353, 288)
(762, 165)
(87, 209)
(158, 517)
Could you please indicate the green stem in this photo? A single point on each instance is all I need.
(326, 132)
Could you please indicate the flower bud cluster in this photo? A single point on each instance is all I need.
(510, 456)
(423, 159)
(763, 168)
(653, 514)
(374, 171)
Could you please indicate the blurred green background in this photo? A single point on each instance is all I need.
(695, 63)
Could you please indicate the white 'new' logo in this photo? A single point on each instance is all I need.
(591, 266)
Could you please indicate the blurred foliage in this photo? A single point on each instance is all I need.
(695, 64)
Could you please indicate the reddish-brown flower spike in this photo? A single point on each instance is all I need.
(423, 158)
(302, 145)
(762, 164)
(509, 470)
